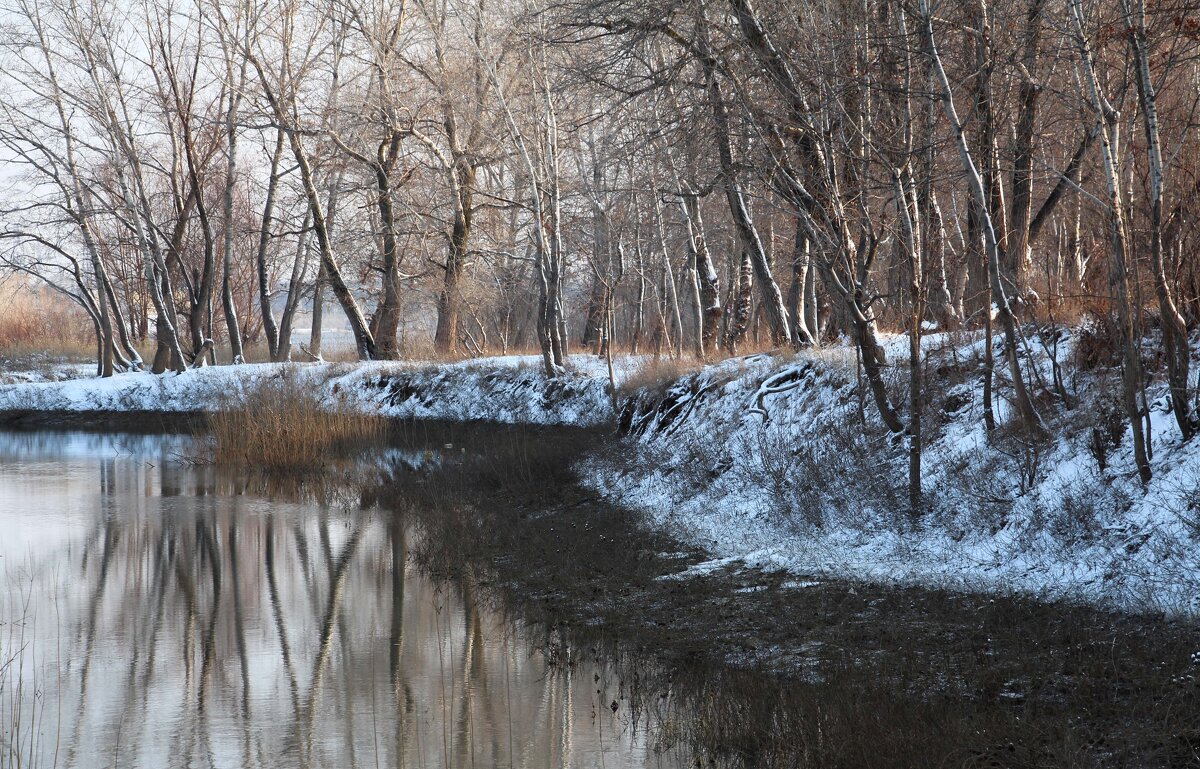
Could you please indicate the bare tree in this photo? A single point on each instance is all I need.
(1132, 394)
(296, 56)
(1024, 405)
(1174, 328)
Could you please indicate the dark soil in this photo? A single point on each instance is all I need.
(138, 422)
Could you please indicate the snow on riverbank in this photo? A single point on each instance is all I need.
(766, 460)
(505, 390)
(39, 370)
(779, 461)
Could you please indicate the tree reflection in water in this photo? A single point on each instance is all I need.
(173, 618)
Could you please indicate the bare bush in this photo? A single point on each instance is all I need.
(1080, 511)
(279, 423)
(1105, 425)
(847, 472)
(1183, 501)
(982, 496)
(1099, 344)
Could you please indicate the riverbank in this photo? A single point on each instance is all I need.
(783, 463)
(779, 462)
(754, 667)
(508, 390)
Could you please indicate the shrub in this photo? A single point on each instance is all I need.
(1105, 423)
(1082, 509)
(1099, 344)
(829, 468)
(280, 423)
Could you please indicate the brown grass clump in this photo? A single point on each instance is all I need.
(657, 373)
(283, 424)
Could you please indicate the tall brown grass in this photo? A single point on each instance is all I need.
(284, 424)
(38, 320)
(657, 373)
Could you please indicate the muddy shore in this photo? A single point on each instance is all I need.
(773, 670)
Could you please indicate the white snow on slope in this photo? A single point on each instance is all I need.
(766, 460)
(506, 390)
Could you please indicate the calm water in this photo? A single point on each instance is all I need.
(150, 617)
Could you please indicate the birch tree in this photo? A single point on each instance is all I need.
(1132, 394)
(1026, 413)
(1174, 328)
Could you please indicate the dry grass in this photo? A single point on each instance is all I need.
(283, 424)
(654, 374)
(37, 320)
(420, 347)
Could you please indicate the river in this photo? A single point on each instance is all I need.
(155, 613)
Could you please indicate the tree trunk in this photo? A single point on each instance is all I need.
(910, 215)
(1024, 406)
(231, 319)
(450, 300)
(364, 342)
(599, 308)
(595, 314)
(739, 317)
(119, 324)
(938, 297)
(1017, 264)
(158, 282)
(202, 307)
(706, 274)
(639, 311)
(1131, 370)
(387, 315)
(802, 335)
(316, 332)
(283, 351)
(749, 240)
(1174, 329)
(270, 329)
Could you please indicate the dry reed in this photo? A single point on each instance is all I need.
(37, 320)
(657, 373)
(280, 423)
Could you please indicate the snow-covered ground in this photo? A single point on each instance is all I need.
(767, 460)
(504, 389)
(780, 461)
(14, 372)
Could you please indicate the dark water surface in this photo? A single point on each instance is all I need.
(152, 617)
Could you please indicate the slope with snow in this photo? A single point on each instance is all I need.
(780, 463)
(504, 390)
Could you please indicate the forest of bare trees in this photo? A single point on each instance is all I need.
(680, 177)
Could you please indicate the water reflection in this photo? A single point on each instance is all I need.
(157, 618)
